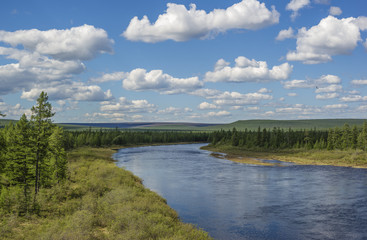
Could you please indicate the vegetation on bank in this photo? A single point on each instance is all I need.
(342, 158)
(339, 146)
(98, 201)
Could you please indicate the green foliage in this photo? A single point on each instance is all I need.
(31, 156)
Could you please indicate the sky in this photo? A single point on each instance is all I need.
(184, 61)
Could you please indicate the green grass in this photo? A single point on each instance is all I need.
(99, 201)
(346, 158)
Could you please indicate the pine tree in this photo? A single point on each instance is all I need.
(20, 159)
(57, 154)
(41, 121)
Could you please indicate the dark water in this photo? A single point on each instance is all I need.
(240, 201)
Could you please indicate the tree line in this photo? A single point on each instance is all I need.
(336, 138)
(105, 138)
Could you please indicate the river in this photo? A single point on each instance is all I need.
(242, 201)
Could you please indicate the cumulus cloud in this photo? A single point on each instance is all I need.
(239, 99)
(335, 11)
(330, 88)
(141, 80)
(218, 114)
(326, 83)
(299, 109)
(206, 105)
(246, 70)
(181, 24)
(78, 43)
(296, 5)
(285, 34)
(124, 105)
(47, 60)
(33, 68)
(13, 111)
(175, 111)
(292, 94)
(77, 91)
(336, 106)
(330, 37)
(353, 98)
(359, 82)
(109, 77)
(328, 79)
(327, 96)
(298, 84)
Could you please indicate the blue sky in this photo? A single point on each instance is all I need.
(185, 61)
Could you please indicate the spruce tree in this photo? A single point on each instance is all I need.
(20, 159)
(42, 125)
(57, 154)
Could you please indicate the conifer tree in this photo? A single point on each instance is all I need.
(57, 153)
(20, 159)
(41, 121)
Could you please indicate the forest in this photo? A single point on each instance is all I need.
(265, 139)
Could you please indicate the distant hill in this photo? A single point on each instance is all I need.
(320, 124)
(164, 126)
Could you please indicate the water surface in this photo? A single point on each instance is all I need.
(241, 201)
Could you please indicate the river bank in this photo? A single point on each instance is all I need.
(346, 158)
(99, 201)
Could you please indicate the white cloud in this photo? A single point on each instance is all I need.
(33, 68)
(365, 44)
(219, 114)
(285, 34)
(336, 106)
(297, 84)
(253, 108)
(239, 99)
(359, 82)
(328, 79)
(354, 98)
(299, 109)
(175, 111)
(330, 88)
(13, 111)
(206, 93)
(327, 96)
(155, 80)
(124, 105)
(292, 94)
(330, 37)
(108, 77)
(335, 11)
(206, 105)
(296, 5)
(264, 90)
(78, 43)
(181, 24)
(49, 59)
(77, 91)
(246, 70)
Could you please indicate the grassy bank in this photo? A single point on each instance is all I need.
(347, 158)
(99, 201)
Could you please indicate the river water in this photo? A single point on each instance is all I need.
(241, 201)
